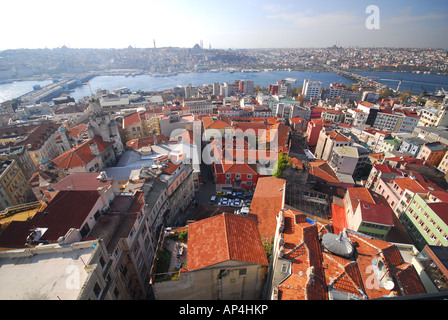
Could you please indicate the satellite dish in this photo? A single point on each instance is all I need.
(388, 283)
(337, 244)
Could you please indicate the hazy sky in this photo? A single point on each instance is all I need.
(221, 24)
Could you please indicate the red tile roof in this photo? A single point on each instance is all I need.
(441, 209)
(321, 171)
(145, 142)
(258, 127)
(302, 247)
(77, 130)
(38, 135)
(297, 120)
(132, 119)
(267, 202)
(385, 168)
(226, 237)
(68, 209)
(339, 218)
(408, 183)
(368, 249)
(359, 194)
(82, 182)
(81, 155)
(242, 168)
(352, 276)
(343, 275)
(376, 213)
(210, 123)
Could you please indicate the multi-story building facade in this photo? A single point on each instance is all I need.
(425, 219)
(230, 265)
(333, 115)
(355, 117)
(129, 241)
(235, 176)
(432, 134)
(399, 121)
(199, 106)
(23, 158)
(288, 109)
(432, 153)
(101, 124)
(372, 138)
(349, 160)
(134, 126)
(329, 139)
(15, 189)
(433, 117)
(443, 166)
(178, 178)
(92, 155)
(311, 89)
(336, 90)
(388, 121)
(411, 145)
(313, 130)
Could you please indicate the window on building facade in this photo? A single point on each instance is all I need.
(97, 290)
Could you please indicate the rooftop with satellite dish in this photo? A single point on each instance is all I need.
(338, 244)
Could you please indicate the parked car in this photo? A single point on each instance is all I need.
(220, 193)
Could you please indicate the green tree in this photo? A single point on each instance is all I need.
(405, 96)
(281, 165)
(420, 99)
(385, 93)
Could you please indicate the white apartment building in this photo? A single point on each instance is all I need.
(113, 103)
(356, 117)
(224, 90)
(41, 109)
(370, 96)
(289, 109)
(396, 121)
(190, 91)
(335, 90)
(248, 87)
(433, 117)
(388, 121)
(349, 160)
(311, 89)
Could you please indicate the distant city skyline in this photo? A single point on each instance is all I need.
(232, 24)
